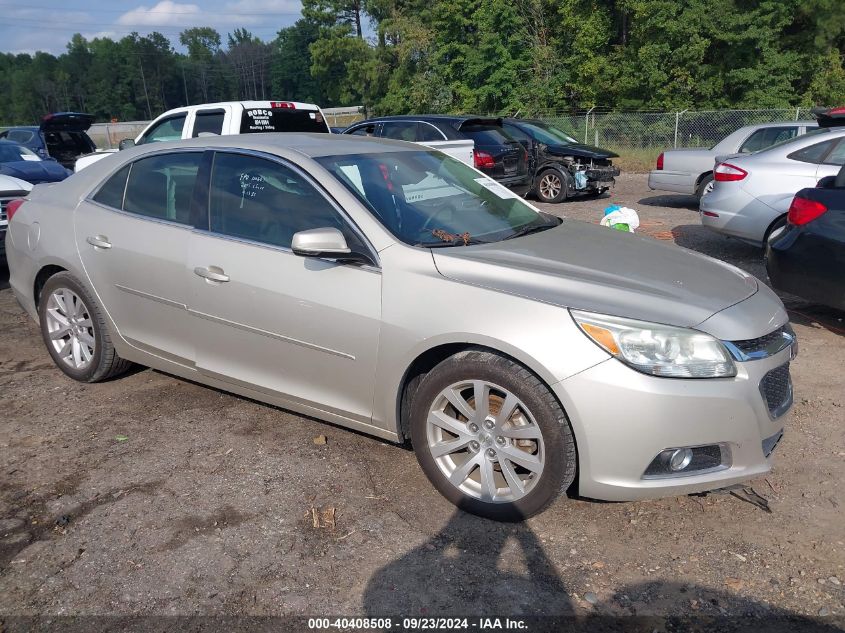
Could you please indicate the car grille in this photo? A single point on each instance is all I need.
(776, 388)
(4, 202)
(763, 346)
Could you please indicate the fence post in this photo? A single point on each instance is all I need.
(797, 111)
(587, 123)
(677, 121)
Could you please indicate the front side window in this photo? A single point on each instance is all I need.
(162, 186)
(429, 199)
(364, 130)
(167, 130)
(209, 123)
(263, 201)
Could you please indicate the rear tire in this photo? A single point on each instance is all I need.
(705, 186)
(75, 332)
(507, 459)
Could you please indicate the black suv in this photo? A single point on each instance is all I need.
(61, 135)
(496, 153)
(562, 167)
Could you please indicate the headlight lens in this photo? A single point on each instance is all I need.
(659, 350)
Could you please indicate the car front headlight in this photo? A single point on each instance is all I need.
(658, 350)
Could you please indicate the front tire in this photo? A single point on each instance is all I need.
(75, 332)
(491, 437)
(551, 186)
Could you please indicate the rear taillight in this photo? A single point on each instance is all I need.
(659, 161)
(287, 105)
(483, 160)
(12, 207)
(802, 210)
(725, 172)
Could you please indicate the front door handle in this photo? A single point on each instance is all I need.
(212, 273)
(99, 241)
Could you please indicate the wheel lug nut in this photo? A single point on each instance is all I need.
(491, 453)
(473, 427)
(500, 441)
(489, 423)
(474, 445)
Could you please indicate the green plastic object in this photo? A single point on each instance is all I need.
(621, 227)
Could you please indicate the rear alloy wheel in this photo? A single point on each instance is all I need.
(551, 186)
(491, 437)
(75, 332)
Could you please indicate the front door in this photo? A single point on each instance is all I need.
(305, 329)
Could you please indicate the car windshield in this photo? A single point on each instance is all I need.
(546, 133)
(429, 199)
(10, 153)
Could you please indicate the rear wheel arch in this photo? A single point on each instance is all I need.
(41, 278)
(702, 177)
(776, 224)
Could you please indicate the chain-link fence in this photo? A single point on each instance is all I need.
(660, 130)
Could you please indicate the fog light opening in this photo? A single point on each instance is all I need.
(680, 459)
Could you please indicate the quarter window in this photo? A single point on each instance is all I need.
(162, 186)
(427, 132)
(264, 201)
(837, 156)
(168, 130)
(111, 193)
(812, 154)
(400, 130)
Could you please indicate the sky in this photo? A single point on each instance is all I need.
(47, 25)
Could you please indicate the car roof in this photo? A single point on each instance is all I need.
(247, 105)
(28, 128)
(762, 126)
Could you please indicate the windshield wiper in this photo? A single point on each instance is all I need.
(458, 241)
(535, 228)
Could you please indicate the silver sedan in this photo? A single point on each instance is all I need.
(751, 194)
(397, 291)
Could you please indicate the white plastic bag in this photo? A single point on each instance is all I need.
(622, 215)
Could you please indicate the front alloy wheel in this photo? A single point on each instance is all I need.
(551, 187)
(70, 329)
(491, 437)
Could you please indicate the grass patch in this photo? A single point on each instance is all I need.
(637, 161)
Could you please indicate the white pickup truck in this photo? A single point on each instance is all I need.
(245, 117)
(230, 117)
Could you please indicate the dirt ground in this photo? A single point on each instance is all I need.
(153, 495)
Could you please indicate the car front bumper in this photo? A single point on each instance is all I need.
(623, 419)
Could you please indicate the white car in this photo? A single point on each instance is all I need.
(752, 194)
(10, 188)
(691, 170)
(220, 119)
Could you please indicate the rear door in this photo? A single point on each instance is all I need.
(303, 329)
(132, 235)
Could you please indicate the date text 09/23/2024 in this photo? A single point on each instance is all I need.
(417, 624)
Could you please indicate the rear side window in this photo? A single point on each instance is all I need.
(761, 139)
(813, 153)
(282, 120)
(209, 123)
(167, 130)
(400, 130)
(162, 186)
(837, 156)
(21, 136)
(487, 134)
(111, 193)
(427, 132)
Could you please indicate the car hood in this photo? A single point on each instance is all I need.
(586, 267)
(579, 149)
(35, 171)
(66, 122)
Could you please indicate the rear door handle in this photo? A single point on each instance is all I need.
(99, 241)
(212, 273)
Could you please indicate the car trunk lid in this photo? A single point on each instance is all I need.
(66, 122)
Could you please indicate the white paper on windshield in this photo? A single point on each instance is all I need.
(500, 190)
(31, 157)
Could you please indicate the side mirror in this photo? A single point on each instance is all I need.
(828, 182)
(326, 243)
(126, 143)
